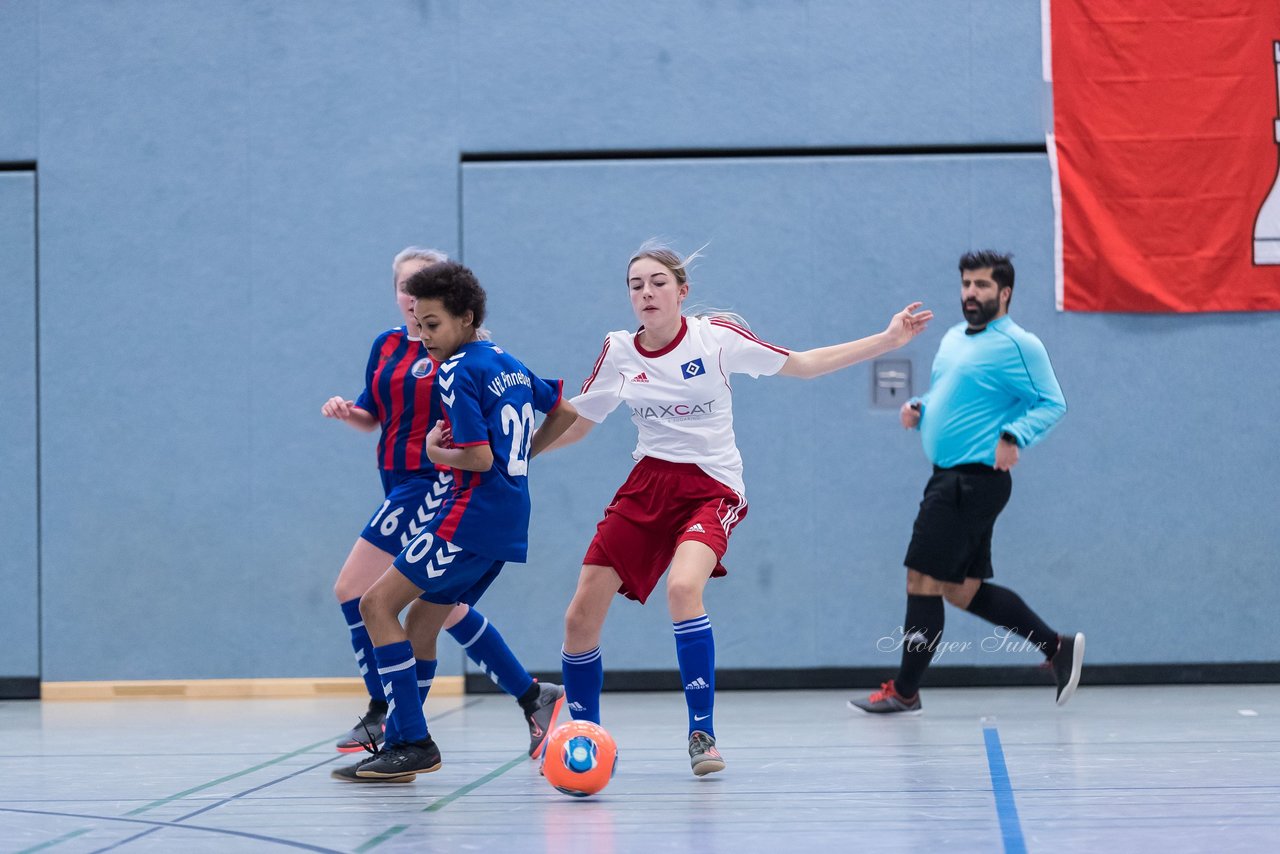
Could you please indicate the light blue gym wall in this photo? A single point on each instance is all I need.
(222, 188)
(19, 68)
(19, 606)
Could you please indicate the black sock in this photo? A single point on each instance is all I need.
(378, 706)
(529, 699)
(921, 632)
(1002, 606)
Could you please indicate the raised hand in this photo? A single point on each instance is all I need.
(908, 323)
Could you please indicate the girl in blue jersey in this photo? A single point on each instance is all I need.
(400, 397)
(486, 439)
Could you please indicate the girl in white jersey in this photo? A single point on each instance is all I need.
(685, 494)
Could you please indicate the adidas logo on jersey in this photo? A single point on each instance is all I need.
(640, 378)
(695, 528)
(697, 684)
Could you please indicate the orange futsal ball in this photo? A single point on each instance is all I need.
(580, 758)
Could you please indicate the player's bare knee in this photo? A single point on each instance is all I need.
(919, 584)
(578, 625)
(345, 589)
(455, 616)
(959, 595)
(373, 610)
(684, 598)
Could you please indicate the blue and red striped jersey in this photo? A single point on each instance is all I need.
(398, 382)
(490, 398)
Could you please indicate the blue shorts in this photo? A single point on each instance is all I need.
(446, 574)
(413, 497)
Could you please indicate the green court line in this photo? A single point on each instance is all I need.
(382, 837)
(257, 767)
(471, 787)
(52, 842)
(73, 834)
(441, 803)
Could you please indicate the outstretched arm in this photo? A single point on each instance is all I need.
(556, 425)
(904, 326)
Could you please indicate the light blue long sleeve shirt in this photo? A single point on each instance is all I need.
(998, 380)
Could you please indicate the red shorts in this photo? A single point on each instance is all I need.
(661, 505)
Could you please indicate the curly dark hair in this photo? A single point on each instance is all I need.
(454, 285)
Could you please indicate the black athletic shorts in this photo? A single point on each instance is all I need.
(951, 540)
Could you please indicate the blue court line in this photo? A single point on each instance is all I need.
(217, 804)
(1006, 808)
(147, 822)
(159, 825)
(203, 786)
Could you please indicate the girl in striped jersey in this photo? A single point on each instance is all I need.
(400, 398)
(685, 495)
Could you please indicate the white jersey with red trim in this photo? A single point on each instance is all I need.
(680, 397)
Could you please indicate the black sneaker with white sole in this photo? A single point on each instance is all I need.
(399, 760)
(348, 774)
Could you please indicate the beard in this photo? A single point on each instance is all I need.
(979, 313)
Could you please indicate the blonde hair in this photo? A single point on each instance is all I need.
(659, 251)
(415, 253)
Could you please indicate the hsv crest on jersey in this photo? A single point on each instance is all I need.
(680, 398)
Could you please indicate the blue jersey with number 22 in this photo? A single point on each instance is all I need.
(490, 397)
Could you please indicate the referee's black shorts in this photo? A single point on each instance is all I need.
(951, 540)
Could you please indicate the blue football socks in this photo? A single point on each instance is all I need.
(364, 649)
(397, 669)
(583, 681)
(696, 652)
(484, 645)
(426, 671)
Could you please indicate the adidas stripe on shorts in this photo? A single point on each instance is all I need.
(661, 505)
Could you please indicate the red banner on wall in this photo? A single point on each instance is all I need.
(1165, 143)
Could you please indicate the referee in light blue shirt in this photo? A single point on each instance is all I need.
(992, 393)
